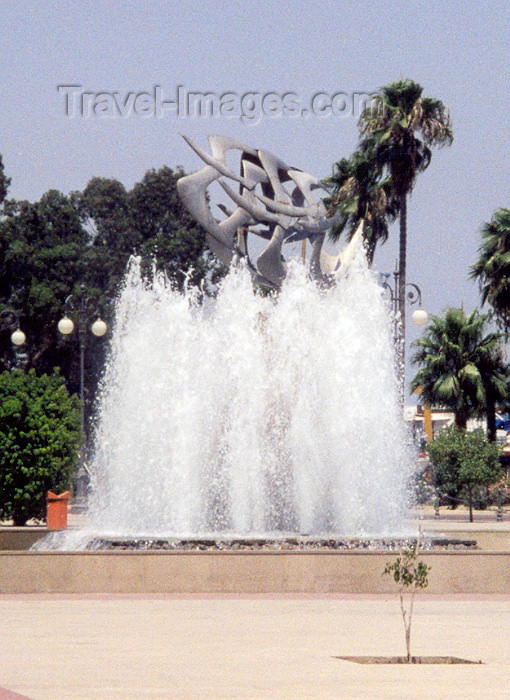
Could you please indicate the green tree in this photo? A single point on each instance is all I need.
(39, 439)
(492, 269)
(105, 213)
(168, 234)
(463, 460)
(398, 131)
(359, 192)
(461, 367)
(4, 182)
(49, 248)
(149, 221)
(42, 258)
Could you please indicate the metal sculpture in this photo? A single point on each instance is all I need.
(275, 202)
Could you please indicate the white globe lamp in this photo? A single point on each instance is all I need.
(419, 317)
(99, 327)
(18, 337)
(65, 325)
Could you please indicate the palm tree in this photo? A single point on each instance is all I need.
(399, 128)
(359, 193)
(493, 266)
(461, 367)
(495, 373)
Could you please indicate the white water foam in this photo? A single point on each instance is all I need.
(249, 414)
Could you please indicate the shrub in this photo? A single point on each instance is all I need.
(463, 462)
(39, 441)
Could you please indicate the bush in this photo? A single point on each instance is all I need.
(500, 492)
(463, 464)
(39, 441)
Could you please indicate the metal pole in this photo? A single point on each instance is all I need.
(398, 297)
(400, 338)
(81, 336)
(499, 512)
(80, 499)
(84, 307)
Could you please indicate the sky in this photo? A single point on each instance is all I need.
(458, 51)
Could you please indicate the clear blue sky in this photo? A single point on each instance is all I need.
(459, 52)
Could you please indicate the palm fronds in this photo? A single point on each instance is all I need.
(461, 366)
(492, 269)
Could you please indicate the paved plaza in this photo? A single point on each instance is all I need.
(59, 647)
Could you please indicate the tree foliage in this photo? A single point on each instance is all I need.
(42, 257)
(359, 192)
(4, 182)
(50, 248)
(492, 269)
(462, 367)
(463, 460)
(39, 440)
(400, 127)
(410, 574)
(398, 131)
(149, 221)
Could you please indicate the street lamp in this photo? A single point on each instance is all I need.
(419, 317)
(9, 319)
(85, 308)
(399, 295)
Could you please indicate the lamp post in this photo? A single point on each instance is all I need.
(9, 319)
(85, 309)
(399, 295)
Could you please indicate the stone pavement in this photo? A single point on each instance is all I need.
(139, 646)
(460, 516)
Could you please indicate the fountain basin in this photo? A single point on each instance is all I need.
(243, 572)
(279, 543)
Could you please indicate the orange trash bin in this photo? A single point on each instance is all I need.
(56, 510)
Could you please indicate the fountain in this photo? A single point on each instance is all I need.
(250, 414)
(251, 440)
(268, 413)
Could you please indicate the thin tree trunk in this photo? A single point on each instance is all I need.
(460, 420)
(407, 626)
(408, 631)
(491, 420)
(470, 496)
(402, 262)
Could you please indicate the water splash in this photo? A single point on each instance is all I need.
(250, 414)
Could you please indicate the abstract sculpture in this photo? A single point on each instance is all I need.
(274, 201)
